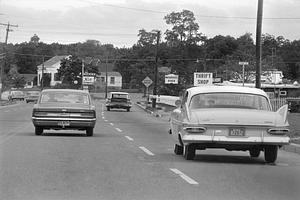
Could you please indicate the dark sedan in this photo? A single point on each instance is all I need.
(62, 109)
(32, 96)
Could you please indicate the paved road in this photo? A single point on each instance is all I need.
(129, 157)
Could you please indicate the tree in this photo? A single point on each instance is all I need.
(146, 38)
(70, 71)
(14, 79)
(184, 30)
(35, 39)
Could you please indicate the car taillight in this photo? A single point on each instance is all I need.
(88, 114)
(278, 131)
(195, 129)
(39, 113)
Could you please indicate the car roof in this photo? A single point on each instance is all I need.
(119, 93)
(232, 89)
(64, 90)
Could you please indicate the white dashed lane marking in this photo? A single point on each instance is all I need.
(111, 124)
(184, 177)
(147, 151)
(129, 138)
(119, 130)
(106, 120)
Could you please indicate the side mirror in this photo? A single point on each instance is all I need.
(178, 103)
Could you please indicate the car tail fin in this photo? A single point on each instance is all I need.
(283, 111)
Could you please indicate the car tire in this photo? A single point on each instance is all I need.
(89, 132)
(271, 153)
(178, 150)
(128, 109)
(254, 153)
(108, 108)
(189, 152)
(38, 130)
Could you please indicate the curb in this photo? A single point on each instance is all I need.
(148, 111)
(292, 147)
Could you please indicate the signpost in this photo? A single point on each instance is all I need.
(203, 78)
(171, 79)
(88, 78)
(147, 82)
(243, 64)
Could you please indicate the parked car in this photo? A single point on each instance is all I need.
(62, 109)
(118, 100)
(32, 96)
(231, 118)
(16, 95)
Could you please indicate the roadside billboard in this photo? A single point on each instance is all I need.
(203, 78)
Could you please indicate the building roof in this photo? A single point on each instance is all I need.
(102, 67)
(28, 77)
(110, 74)
(52, 61)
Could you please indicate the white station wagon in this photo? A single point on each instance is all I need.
(232, 118)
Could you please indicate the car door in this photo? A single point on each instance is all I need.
(177, 117)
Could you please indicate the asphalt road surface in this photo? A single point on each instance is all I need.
(129, 157)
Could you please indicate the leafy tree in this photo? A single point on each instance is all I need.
(35, 39)
(70, 71)
(146, 38)
(14, 79)
(184, 30)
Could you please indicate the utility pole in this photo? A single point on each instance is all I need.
(42, 78)
(106, 77)
(156, 70)
(5, 49)
(258, 43)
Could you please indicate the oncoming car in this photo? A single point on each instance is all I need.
(62, 109)
(118, 100)
(32, 96)
(231, 118)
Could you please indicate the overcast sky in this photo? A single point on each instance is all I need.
(117, 21)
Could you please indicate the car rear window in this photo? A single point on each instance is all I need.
(229, 100)
(63, 97)
(120, 96)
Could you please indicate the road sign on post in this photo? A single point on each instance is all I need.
(147, 82)
(171, 79)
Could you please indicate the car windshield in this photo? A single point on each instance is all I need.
(229, 100)
(63, 97)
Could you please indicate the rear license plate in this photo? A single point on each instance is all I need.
(64, 123)
(237, 132)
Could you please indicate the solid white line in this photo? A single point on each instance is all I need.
(129, 138)
(111, 124)
(184, 177)
(118, 129)
(147, 151)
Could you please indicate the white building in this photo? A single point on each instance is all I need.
(50, 67)
(114, 79)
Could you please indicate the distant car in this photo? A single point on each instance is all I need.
(62, 109)
(232, 118)
(118, 100)
(32, 96)
(16, 95)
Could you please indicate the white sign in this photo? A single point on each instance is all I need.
(243, 63)
(171, 79)
(88, 80)
(147, 81)
(201, 79)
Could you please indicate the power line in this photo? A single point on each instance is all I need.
(201, 16)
